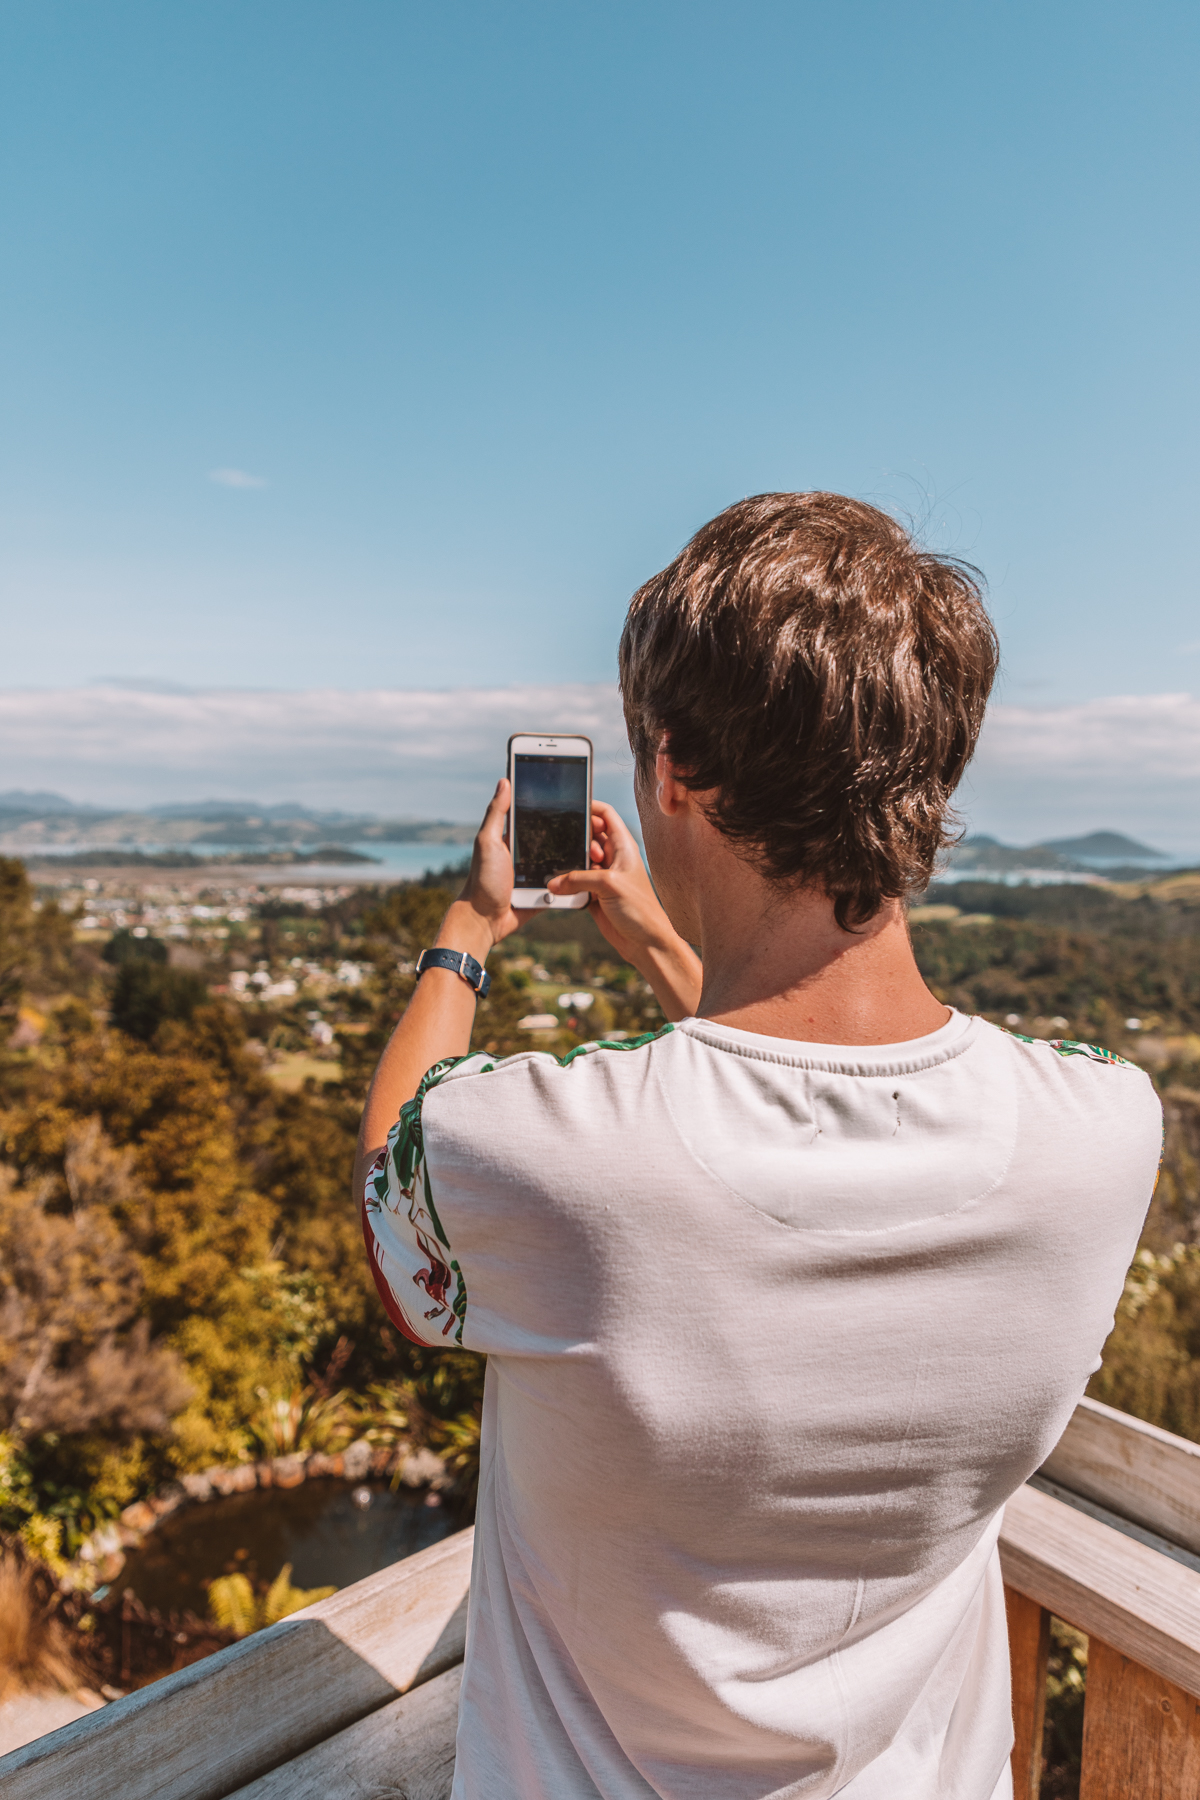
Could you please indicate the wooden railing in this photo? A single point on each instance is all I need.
(1107, 1538)
(357, 1696)
(354, 1697)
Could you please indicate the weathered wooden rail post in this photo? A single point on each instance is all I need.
(1107, 1538)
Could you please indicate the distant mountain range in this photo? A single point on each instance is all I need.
(33, 822)
(1098, 853)
(51, 824)
(1104, 847)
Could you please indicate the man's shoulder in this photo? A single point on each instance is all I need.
(533, 1070)
(1093, 1076)
(1055, 1051)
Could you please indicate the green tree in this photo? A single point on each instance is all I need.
(147, 995)
(38, 955)
(124, 946)
(16, 938)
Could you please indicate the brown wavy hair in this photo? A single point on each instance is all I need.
(822, 678)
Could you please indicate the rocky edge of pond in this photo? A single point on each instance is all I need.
(101, 1557)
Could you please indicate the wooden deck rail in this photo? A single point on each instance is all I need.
(375, 1665)
(357, 1696)
(1106, 1537)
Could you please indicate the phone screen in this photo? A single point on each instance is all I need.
(551, 827)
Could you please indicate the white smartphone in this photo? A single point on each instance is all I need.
(550, 814)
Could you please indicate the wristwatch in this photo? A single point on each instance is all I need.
(472, 972)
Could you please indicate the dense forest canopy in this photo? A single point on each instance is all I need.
(182, 1280)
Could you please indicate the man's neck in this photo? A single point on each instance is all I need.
(796, 974)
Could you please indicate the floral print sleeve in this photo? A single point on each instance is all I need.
(419, 1280)
(1073, 1047)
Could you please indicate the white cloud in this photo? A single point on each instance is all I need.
(422, 753)
(237, 478)
(1130, 763)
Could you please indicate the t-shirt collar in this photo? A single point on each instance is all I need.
(948, 1041)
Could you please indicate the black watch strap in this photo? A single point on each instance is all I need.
(472, 972)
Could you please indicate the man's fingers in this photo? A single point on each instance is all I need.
(612, 818)
(583, 881)
(620, 838)
(497, 807)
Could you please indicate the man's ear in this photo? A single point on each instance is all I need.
(669, 792)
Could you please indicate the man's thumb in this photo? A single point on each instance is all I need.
(580, 881)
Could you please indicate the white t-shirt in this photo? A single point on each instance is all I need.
(774, 1329)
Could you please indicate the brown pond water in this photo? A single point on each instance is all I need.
(332, 1533)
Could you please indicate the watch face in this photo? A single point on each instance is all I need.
(550, 817)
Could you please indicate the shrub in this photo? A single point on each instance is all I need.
(1152, 1358)
(301, 1420)
(35, 1645)
(233, 1604)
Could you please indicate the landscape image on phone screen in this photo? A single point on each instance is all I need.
(550, 803)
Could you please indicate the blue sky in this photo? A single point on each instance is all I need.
(499, 303)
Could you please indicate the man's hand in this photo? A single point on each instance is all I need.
(441, 1013)
(489, 885)
(630, 916)
(624, 904)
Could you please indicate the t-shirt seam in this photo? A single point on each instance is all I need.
(580, 1057)
(913, 1065)
(1071, 1047)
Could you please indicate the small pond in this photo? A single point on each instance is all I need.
(332, 1533)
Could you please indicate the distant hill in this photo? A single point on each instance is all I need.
(1100, 847)
(1108, 853)
(983, 852)
(186, 859)
(241, 809)
(32, 823)
(24, 802)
